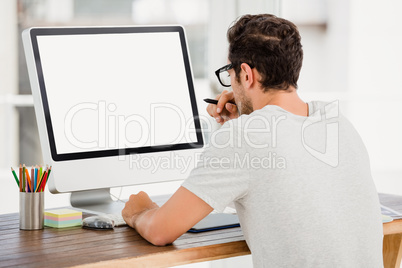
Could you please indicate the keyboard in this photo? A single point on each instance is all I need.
(117, 219)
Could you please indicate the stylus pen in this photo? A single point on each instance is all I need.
(211, 101)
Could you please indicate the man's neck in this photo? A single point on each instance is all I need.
(288, 100)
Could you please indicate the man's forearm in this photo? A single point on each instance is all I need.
(162, 226)
(148, 227)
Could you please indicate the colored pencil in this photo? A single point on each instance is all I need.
(40, 171)
(42, 187)
(32, 179)
(35, 178)
(48, 175)
(20, 171)
(29, 187)
(15, 177)
(23, 178)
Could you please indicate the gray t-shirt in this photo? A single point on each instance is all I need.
(302, 187)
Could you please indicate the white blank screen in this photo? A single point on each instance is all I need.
(110, 91)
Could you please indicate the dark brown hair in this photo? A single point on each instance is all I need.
(271, 45)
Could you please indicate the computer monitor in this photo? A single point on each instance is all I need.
(115, 106)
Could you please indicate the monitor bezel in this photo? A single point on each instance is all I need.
(35, 32)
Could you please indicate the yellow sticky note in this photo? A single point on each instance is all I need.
(63, 213)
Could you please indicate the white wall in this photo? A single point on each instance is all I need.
(375, 73)
(8, 79)
(375, 68)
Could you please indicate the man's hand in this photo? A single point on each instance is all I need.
(135, 206)
(226, 108)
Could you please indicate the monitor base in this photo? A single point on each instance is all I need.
(96, 201)
(99, 201)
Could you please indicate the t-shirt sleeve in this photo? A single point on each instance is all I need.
(219, 177)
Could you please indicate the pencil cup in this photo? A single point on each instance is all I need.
(31, 210)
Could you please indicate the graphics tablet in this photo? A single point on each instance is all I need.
(216, 221)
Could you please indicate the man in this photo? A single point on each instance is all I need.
(297, 172)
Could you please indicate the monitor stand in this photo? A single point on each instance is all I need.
(96, 201)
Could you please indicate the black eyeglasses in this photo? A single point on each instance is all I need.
(223, 74)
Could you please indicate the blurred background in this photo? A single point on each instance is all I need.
(352, 53)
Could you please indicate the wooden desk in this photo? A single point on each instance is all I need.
(124, 247)
(392, 242)
(72, 246)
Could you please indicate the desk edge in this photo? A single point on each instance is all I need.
(178, 257)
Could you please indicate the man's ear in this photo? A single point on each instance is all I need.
(248, 76)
